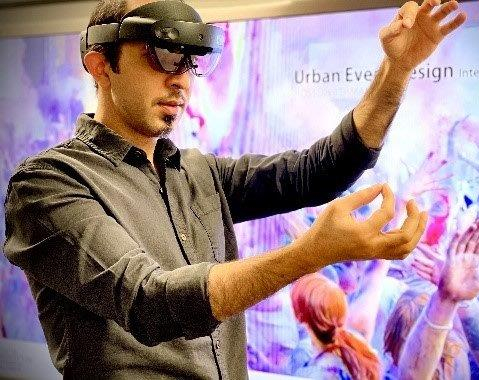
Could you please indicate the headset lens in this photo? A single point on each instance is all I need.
(204, 65)
(177, 63)
(174, 63)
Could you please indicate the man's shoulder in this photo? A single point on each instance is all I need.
(193, 156)
(52, 157)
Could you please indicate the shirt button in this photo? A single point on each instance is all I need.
(217, 344)
(183, 237)
(138, 155)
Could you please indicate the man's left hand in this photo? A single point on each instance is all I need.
(416, 31)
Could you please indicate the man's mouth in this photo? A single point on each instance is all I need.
(171, 107)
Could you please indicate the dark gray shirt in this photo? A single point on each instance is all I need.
(117, 250)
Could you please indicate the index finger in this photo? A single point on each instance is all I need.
(361, 197)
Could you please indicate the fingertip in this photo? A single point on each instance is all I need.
(407, 23)
(424, 218)
(378, 188)
(411, 207)
(387, 191)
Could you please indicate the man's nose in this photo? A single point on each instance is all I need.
(180, 81)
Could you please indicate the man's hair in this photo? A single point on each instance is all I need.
(106, 12)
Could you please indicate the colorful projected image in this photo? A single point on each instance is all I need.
(282, 84)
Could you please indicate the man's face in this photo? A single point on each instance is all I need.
(148, 101)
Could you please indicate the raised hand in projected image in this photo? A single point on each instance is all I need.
(428, 263)
(459, 280)
(428, 178)
(468, 242)
(425, 179)
(416, 31)
(337, 236)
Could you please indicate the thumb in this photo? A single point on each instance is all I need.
(387, 33)
(361, 197)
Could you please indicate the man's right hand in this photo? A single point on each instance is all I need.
(335, 236)
(339, 235)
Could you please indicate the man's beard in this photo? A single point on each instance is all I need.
(169, 120)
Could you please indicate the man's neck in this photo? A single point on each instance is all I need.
(116, 124)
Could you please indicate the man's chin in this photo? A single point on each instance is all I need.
(161, 130)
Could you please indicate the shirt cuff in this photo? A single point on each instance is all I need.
(187, 298)
(347, 138)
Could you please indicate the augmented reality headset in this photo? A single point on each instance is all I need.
(176, 38)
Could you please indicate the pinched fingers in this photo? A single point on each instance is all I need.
(360, 198)
(405, 18)
(387, 33)
(411, 222)
(386, 212)
(407, 13)
(399, 243)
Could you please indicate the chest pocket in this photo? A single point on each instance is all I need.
(208, 211)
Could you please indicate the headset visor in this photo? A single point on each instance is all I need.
(178, 63)
(176, 38)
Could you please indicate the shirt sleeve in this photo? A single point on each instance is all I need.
(59, 234)
(257, 186)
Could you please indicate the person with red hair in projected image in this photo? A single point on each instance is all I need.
(321, 306)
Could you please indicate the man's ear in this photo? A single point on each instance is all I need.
(98, 67)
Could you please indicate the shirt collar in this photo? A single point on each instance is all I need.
(115, 148)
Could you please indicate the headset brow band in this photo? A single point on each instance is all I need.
(100, 34)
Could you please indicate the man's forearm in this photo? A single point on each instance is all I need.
(377, 108)
(237, 285)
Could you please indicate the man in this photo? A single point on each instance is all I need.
(128, 242)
